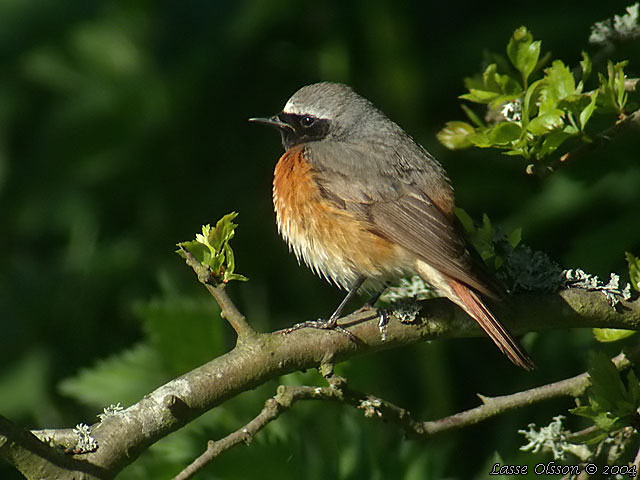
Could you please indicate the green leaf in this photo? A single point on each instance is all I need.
(483, 238)
(481, 139)
(588, 436)
(558, 84)
(515, 237)
(230, 277)
(611, 92)
(607, 388)
(491, 79)
(584, 411)
(504, 132)
(465, 219)
(519, 151)
(608, 396)
(530, 99)
(619, 78)
(606, 421)
(231, 260)
(523, 52)
(472, 116)
(455, 135)
(634, 270)
(495, 88)
(610, 334)
(546, 122)
(552, 141)
(199, 250)
(586, 66)
(211, 248)
(586, 113)
(480, 96)
(574, 104)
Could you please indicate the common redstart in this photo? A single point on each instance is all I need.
(359, 200)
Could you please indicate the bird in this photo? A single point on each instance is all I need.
(359, 201)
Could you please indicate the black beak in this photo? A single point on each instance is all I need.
(273, 121)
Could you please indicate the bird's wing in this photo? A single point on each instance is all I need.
(394, 192)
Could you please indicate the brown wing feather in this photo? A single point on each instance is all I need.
(414, 222)
(405, 196)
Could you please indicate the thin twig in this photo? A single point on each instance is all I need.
(228, 310)
(631, 85)
(286, 396)
(230, 313)
(492, 406)
(602, 138)
(375, 407)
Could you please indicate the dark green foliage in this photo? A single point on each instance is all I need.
(612, 404)
(123, 129)
(533, 119)
(634, 270)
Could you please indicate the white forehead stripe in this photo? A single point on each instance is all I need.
(299, 109)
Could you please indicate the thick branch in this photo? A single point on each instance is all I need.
(35, 459)
(261, 357)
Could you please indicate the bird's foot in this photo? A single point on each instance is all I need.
(320, 324)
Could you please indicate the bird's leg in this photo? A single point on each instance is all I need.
(333, 319)
(332, 323)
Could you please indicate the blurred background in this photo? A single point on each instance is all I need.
(123, 128)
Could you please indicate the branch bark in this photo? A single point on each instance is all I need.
(376, 407)
(228, 310)
(604, 137)
(261, 357)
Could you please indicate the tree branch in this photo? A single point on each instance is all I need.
(375, 407)
(228, 310)
(492, 406)
(124, 435)
(624, 122)
(36, 459)
(604, 137)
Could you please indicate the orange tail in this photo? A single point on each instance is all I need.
(471, 303)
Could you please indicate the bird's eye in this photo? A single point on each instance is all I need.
(307, 121)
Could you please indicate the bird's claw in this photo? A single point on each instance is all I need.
(320, 324)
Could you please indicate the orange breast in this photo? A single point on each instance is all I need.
(332, 241)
